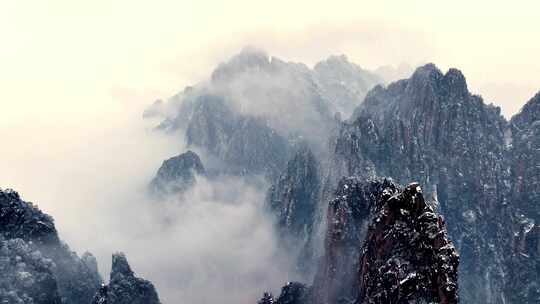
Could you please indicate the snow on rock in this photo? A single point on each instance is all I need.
(124, 287)
(42, 253)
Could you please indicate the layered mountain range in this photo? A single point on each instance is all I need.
(334, 147)
(473, 164)
(476, 168)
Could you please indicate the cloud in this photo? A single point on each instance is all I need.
(216, 245)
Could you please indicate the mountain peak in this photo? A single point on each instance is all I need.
(455, 79)
(249, 58)
(177, 174)
(426, 72)
(529, 113)
(120, 265)
(21, 219)
(407, 256)
(453, 82)
(124, 286)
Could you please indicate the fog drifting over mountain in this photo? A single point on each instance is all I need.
(76, 81)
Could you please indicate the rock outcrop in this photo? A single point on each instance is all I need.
(523, 263)
(291, 293)
(124, 287)
(407, 257)
(294, 197)
(27, 230)
(525, 157)
(348, 216)
(429, 128)
(177, 174)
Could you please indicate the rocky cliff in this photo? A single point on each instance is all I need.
(525, 157)
(406, 256)
(124, 287)
(430, 128)
(30, 232)
(347, 221)
(293, 198)
(245, 145)
(523, 263)
(177, 174)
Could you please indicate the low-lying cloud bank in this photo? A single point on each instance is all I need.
(215, 245)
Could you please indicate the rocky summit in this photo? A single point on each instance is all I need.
(347, 222)
(477, 169)
(177, 174)
(124, 287)
(406, 256)
(430, 128)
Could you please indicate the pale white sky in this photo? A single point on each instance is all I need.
(62, 59)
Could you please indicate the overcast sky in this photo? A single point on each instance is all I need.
(63, 60)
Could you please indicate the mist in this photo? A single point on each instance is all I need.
(214, 244)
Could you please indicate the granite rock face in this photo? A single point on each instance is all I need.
(245, 145)
(294, 197)
(124, 287)
(177, 174)
(523, 263)
(347, 221)
(75, 279)
(525, 157)
(211, 125)
(255, 148)
(293, 200)
(523, 266)
(407, 257)
(429, 128)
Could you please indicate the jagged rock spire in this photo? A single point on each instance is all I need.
(124, 287)
(177, 174)
(120, 265)
(407, 256)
